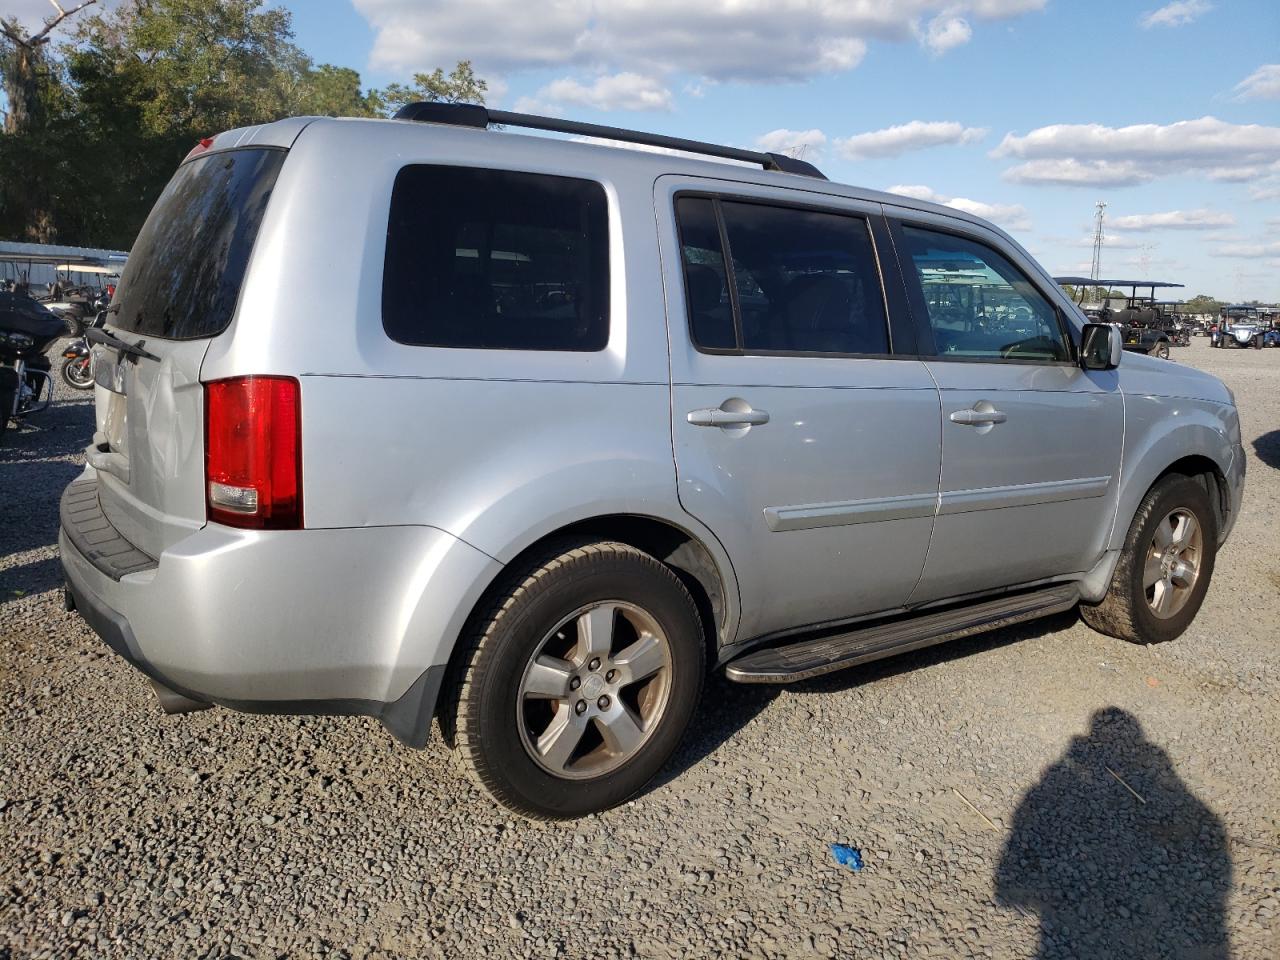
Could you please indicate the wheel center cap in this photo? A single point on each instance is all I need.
(593, 686)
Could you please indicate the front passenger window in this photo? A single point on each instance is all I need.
(979, 304)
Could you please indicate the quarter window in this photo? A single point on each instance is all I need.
(798, 281)
(493, 259)
(979, 304)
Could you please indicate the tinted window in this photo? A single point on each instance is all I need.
(979, 304)
(499, 260)
(184, 273)
(706, 284)
(804, 281)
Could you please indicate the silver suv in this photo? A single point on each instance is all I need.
(412, 418)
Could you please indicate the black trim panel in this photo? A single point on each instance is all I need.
(94, 537)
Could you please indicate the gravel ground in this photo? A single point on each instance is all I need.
(126, 833)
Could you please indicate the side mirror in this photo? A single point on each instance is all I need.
(1101, 347)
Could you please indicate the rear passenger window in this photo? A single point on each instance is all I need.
(979, 304)
(799, 281)
(492, 259)
(705, 278)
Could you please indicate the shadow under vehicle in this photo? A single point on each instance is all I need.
(1149, 325)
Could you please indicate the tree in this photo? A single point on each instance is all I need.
(461, 85)
(22, 65)
(1202, 304)
(97, 125)
(329, 91)
(28, 151)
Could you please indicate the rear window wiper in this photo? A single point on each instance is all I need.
(107, 338)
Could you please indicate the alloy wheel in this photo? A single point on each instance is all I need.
(1173, 563)
(594, 690)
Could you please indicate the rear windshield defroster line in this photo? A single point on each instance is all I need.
(184, 274)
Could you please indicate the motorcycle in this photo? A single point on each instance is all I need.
(77, 358)
(77, 365)
(27, 331)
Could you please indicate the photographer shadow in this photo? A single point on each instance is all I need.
(1112, 876)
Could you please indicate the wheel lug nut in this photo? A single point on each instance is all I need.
(611, 676)
(603, 703)
(594, 664)
(581, 706)
(575, 683)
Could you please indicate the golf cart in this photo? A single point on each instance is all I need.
(1149, 325)
(1239, 325)
(1173, 322)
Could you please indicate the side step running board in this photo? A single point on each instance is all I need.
(811, 658)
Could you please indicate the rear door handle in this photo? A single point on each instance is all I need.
(978, 418)
(719, 417)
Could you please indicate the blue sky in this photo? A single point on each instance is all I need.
(1026, 111)
(740, 71)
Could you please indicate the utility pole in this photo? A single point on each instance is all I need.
(1095, 269)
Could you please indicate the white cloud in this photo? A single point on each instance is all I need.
(916, 135)
(805, 144)
(1175, 14)
(619, 91)
(752, 40)
(1176, 220)
(1097, 155)
(946, 31)
(1009, 215)
(1247, 251)
(1262, 84)
(1070, 172)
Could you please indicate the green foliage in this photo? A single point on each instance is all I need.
(459, 86)
(329, 91)
(1202, 303)
(119, 105)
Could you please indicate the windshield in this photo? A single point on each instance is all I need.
(183, 277)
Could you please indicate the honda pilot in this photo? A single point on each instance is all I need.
(419, 419)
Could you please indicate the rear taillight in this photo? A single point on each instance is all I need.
(253, 452)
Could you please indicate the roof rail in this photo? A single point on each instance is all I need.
(475, 115)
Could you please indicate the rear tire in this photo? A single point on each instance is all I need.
(543, 707)
(1154, 570)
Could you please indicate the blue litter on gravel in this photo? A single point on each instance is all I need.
(850, 857)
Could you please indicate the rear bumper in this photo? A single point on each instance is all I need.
(347, 621)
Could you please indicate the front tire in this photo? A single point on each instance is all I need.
(77, 374)
(1165, 566)
(578, 680)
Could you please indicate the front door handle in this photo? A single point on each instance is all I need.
(722, 417)
(978, 418)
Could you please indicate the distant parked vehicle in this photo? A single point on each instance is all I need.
(27, 331)
(1149, 325)
(1239, 325)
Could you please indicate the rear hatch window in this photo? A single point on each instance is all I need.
(184, 273)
